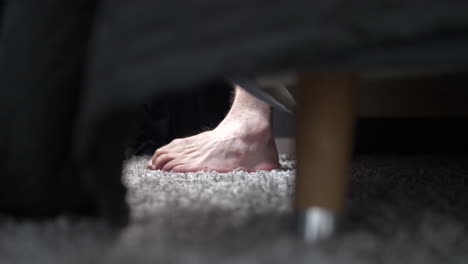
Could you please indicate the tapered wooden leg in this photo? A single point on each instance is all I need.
(325, 122)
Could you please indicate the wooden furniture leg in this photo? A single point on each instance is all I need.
(325, 121)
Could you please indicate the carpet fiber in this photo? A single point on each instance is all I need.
(401, 210)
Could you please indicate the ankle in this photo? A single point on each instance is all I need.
(249, 129)
(259, 134)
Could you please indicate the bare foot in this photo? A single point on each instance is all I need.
(243, 140)
(226, 148)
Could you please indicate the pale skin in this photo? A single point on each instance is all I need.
(243, 140)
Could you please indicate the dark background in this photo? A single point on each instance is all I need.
(187, 114)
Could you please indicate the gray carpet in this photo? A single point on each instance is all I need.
(401, 210)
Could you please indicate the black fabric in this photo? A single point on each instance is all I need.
(1, 12)
(2, 7)
(42, 57)
(233, 38)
